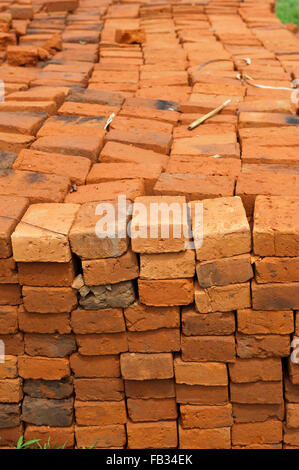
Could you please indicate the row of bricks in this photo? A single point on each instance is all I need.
(193, 348)
(77, 224)
(274, 296)
(159, 266)
(138, 180)
(261, 373)
(141, 318)
(162, 434)
(58, 413)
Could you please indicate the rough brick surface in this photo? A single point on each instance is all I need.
(155, 435)
(225, 229)
(42, 234)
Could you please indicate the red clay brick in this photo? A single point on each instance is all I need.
(11, 210)
(253, 413)
(210, 374)
(110, 436)
(257, 392)
(8, 271)
(146, 366)
(208, 348)
(236, 269)
(10, 294)
(43, 323)
(275, 231)
(84, 240)
(43, 368)
(73, 126)
(206, 417)
(58, 436)
(190, 165)
(8, 319)
(80, 146)
(156, 341)
(255, 322)
(95, 366)
(47, 274)
(110, 270)
(196, 187)
(10, 142)
(275, 296)
(49, 299)
(102, 389)
(103, 172)
(11, 390)
(222, 298)
(201, 395)
(159, 224)
(95, 413)
(108, 320)
(151, 409)
(292, 415)
(253, 370)
(249, 186)
(42, 235)
(108, 191)
(57, 94)
(8, 368)
(14, 344)
(262, 345)
(141, 317)
(150, 388)
(74, 168)
(215, 324)
(21, 123)
(166, 292)
(37, 187)
(103, 344)
(269, 432)
(155, 435)
(218, 438)
(225, 229)
(272, 269)
(115, 152)
(152, 141)
(49, 345)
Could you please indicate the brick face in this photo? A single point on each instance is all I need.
(269, 432)
(256, 393)
(154, 435)
(97, 413)
(206, 417)
(152, 409)
(218, 438)
(104, 435)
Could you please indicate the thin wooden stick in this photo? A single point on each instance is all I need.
(207, 116)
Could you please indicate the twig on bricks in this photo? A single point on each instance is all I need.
(207, 116)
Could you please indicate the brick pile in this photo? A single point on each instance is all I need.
(148, 342)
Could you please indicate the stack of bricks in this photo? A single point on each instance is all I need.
(223, 272)
(105, 289)
(157, 341)
(165, 283)
(11, 389)
(46, 270)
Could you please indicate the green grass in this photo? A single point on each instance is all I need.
(288, 11)
(35, 444)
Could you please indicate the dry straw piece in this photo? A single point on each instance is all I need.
(208, 115)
